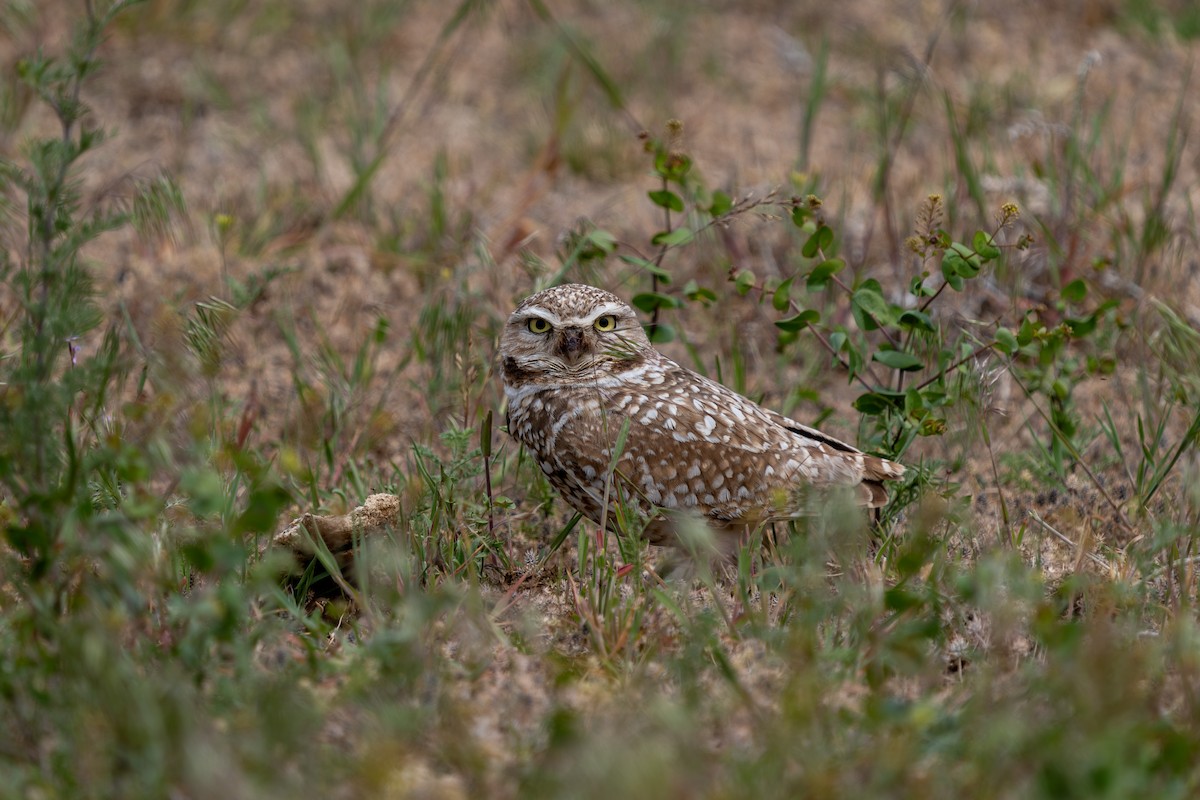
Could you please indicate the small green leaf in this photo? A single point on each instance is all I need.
(661, 334)
(782, 297)
(679, 236)
(854, 361)
(897, 359)
(1081, 326)
(867, 298)
(811, 244)
(967, 261)
(800, 215)
(665, 198)
(820, 240)
(918, 287)
(917, 320)
(744, 281)
(951, 263)
(821, 273)
(914, 404)
(826, 237)
(984, 247)
(648, 266)
(721, 203)
(799, 321)
(602, 240)
(1075, 291)
(935, 396)
(1028, 330)
(1006, 341)
(875, 403)
(649, 301)
(697, 293)
(837, 340)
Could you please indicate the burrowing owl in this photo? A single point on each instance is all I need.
(578, 368)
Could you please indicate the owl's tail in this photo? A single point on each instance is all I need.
(875, 471)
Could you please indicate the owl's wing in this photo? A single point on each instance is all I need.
(696, 444)
(831, 451)
(874, 467)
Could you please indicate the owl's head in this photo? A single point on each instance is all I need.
(572, 332)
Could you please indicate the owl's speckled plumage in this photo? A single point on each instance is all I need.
(577, 365)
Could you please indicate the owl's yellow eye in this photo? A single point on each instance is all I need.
(538, 325)
(606, 323)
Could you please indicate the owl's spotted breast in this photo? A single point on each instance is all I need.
(692, 445)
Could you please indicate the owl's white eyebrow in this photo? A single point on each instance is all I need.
(600, 311)
(529, 313)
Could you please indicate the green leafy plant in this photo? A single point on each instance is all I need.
(57, 400)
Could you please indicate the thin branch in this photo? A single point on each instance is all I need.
(658, 259)
(969, 357)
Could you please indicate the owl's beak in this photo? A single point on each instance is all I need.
(570, 343)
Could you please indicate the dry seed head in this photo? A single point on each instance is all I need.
(1089, 61)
